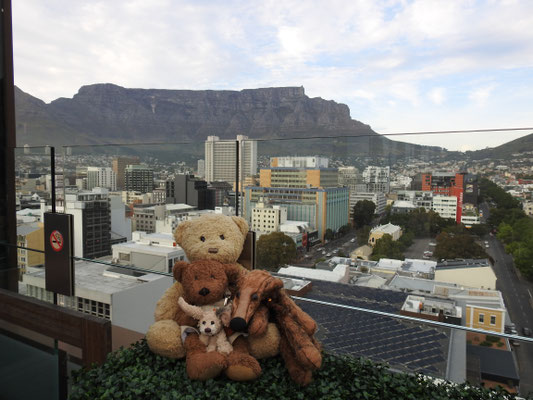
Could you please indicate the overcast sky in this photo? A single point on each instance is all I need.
(399, 65)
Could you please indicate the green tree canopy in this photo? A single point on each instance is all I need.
(385, 247)
(451, 246)
(275, 250)
(363, 212)
(328, 235)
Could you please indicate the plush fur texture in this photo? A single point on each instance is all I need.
(258, 292)
(223, 239)
(211, 322)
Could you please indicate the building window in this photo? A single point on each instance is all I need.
(493, 319)
(123, 256)
(481, 318)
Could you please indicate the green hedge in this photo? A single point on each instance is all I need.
(137, 373)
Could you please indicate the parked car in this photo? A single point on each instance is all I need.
(352, 240)
(526, 331)
(432, 243)
(515, 343)
(487, 246)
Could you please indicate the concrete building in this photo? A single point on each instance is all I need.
(119, 167)
(378, 199)
(289, 177)
(419, 198)
(92, 222)
(322, 208)
(349, 177)
(30, 236)
(101, 177)
(402, 207)
(127, 298)
(155, 251)
(221, 160)
(340, 274)
(469, 219)
(299, 162)
(469, 273)
(446, 207)
(187, 189)
(200, 168)
(388, 229)
(435, 309)
(376, 179)
(120, 224)
(267, 219)
(145, 215)
(139, 178)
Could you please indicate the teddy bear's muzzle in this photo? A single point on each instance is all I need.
(204, 291)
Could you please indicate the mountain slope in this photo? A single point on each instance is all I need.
(107, 113)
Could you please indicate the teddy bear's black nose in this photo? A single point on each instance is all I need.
(204, 291)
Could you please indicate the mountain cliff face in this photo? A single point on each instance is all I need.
(107, 113)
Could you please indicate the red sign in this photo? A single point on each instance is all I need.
(56, 240)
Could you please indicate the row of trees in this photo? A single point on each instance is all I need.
(385, 247)
(515, 229)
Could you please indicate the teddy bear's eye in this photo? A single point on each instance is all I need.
(202, 238)
(212, 322)
(255, 296)
(203, 323)
(212, 276)
(222, 237)
(238, 295)
(195, 277)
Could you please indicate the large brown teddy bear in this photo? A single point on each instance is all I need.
(220, 238)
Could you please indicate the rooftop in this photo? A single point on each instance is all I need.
(387, 228)
(467, 263)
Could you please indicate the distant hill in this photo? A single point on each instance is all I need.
(107, 113)
(506, 150)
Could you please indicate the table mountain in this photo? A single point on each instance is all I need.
(107, 113)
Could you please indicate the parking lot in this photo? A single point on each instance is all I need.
(419, 246)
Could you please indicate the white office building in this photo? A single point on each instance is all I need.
(377, 198)
(377, 179)
(101, 177)
(220, 159)
(267, 219)
(445, 206)
(299, 162)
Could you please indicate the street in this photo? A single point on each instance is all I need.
(516, 293)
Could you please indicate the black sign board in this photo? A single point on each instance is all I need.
(58, 252)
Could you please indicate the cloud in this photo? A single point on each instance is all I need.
(414, 55)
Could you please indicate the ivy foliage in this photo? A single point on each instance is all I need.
(137, 373)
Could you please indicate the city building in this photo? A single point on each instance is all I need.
(101, 177)
(376, 179)
(267, 219)
(419, 198)
(119, 167)
(200, 169)
(402, 207)
(139, 178)
(446, 207)
(221, 158)
(322, 208)
(435, 309)
(377, 198)
(349, 177)
(30, 236)
(469, 273)
(187, 189)
(295, 177)
(299, 162)
(388, 229)
(154, 251)
(145, 215)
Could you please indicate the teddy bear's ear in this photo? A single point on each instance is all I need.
(180, 231)
(178, 269)
(242, 224)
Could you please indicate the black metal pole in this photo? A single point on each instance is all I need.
(237, 178)
(53, 179)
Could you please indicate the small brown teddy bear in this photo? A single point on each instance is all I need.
(211, 322)
(220, 238)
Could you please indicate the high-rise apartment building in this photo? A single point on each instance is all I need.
(221, 158)
(266, 218)
(201, 168)
(139, 178)
(349, 177)
(187, 189)
(101, 177)
(119, 167)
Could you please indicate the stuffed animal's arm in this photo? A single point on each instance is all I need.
(258, 324)
(223, 345)
(212, 343)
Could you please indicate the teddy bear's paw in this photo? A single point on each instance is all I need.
(242, 367)
(164, 338)
(204, 366)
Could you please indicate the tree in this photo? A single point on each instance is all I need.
(385, 247)
(363, 212)
(275, 250)
(328, 235)
(363, 234)
(457, 246)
